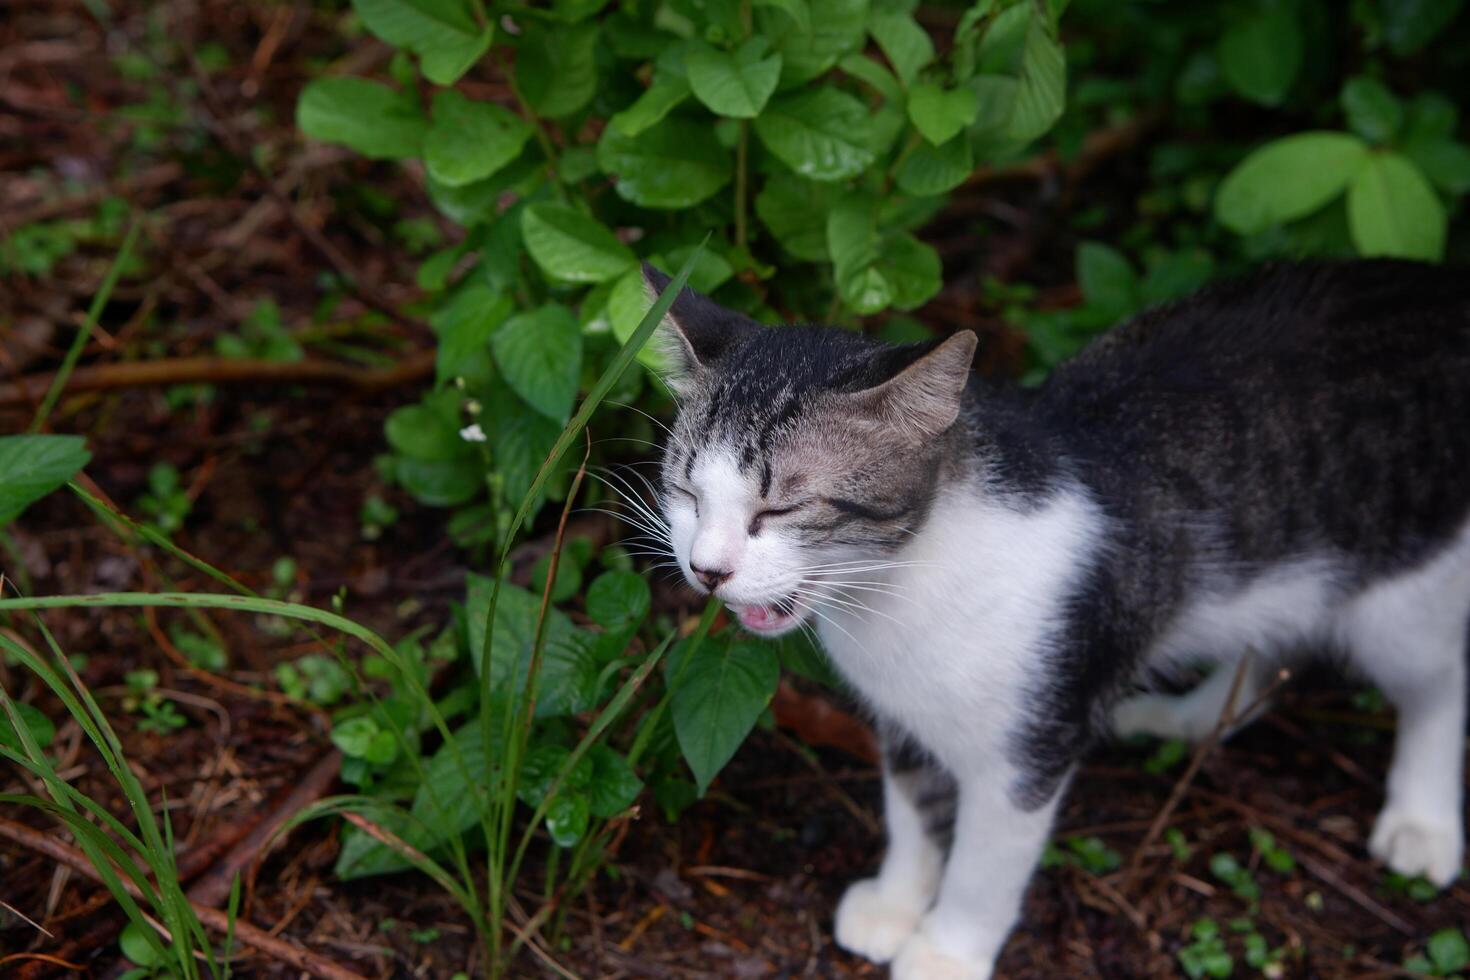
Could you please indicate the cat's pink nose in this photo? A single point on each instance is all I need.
(711, 577)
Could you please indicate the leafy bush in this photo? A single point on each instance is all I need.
(634, 133)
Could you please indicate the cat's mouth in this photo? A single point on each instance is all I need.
(767, 617)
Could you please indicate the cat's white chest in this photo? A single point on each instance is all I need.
(952, 646)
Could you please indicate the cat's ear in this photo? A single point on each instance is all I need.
(924, 397)
(697, 331)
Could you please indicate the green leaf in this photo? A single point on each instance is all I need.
(834, 28)
(1043, 85)
(573, 11)
(1393, 211)
(798, 10)
(556, 68)
(520, 441)
(567, 817)
(616, 599)
(538, 773)
(865, 69)
(734, 83)
(626, 306)
(363, 738)
(939, 114)
(1430, 115)
(440, 483)
(428, 430)
(1445, 162)
(1261, 53)
(568, 669)
(903, 42)
(137, 948)
(821, 133)
(931, 170)
(614, 785)
(41, 729)
(573, 246)
(1107, 279)
(1373, 112)
(33, 466)
(1176, 274)
(445, 34)
(1002, 47)
(795, 211)
(1288, 179)
(469, 141)
(995, 98)
(540, 356)
(464, 327)
(443, 806)
(874, 269)
(675, 164)
(665, 93)
(1449, 951)
(370, 118)
(711, 269)
(1408, 25)
(717, 698)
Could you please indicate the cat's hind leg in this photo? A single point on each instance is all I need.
(1408, 636)
(877, 915)
(1194, 714)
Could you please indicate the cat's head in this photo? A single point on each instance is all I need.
(801, 457)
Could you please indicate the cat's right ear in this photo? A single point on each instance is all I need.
(696, 332)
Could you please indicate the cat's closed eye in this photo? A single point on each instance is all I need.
(690, 495)
(765, 515)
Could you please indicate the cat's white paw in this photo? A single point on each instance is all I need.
(922, 959)
(872, 924)
(1412, 845)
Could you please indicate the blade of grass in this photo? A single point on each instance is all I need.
(112, 517)
(257, 604)
(84, 333)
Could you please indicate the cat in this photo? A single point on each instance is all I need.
(1278, 463)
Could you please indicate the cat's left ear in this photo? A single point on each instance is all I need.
(924, 398)
(697, 332)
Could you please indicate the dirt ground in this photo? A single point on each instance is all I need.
(744, 885)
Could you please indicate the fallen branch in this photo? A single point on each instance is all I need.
(244, 932)
(220, 370)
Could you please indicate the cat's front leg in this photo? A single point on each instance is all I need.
(877, 915)
(996, 847)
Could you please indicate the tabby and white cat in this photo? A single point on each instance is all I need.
(1279, 464)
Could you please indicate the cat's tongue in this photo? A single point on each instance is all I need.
(762, 619)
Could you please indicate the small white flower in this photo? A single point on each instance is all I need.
(472, 433)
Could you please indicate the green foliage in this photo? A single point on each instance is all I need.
(33, 466)
(1206, 955)
(767, 124)
(262, 335)
(1445, 955)
(719, 690)
(166, 503)
(1091, 854)
(1227, 869)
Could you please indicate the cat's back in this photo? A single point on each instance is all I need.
(1337, 324)
(1306, 404)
